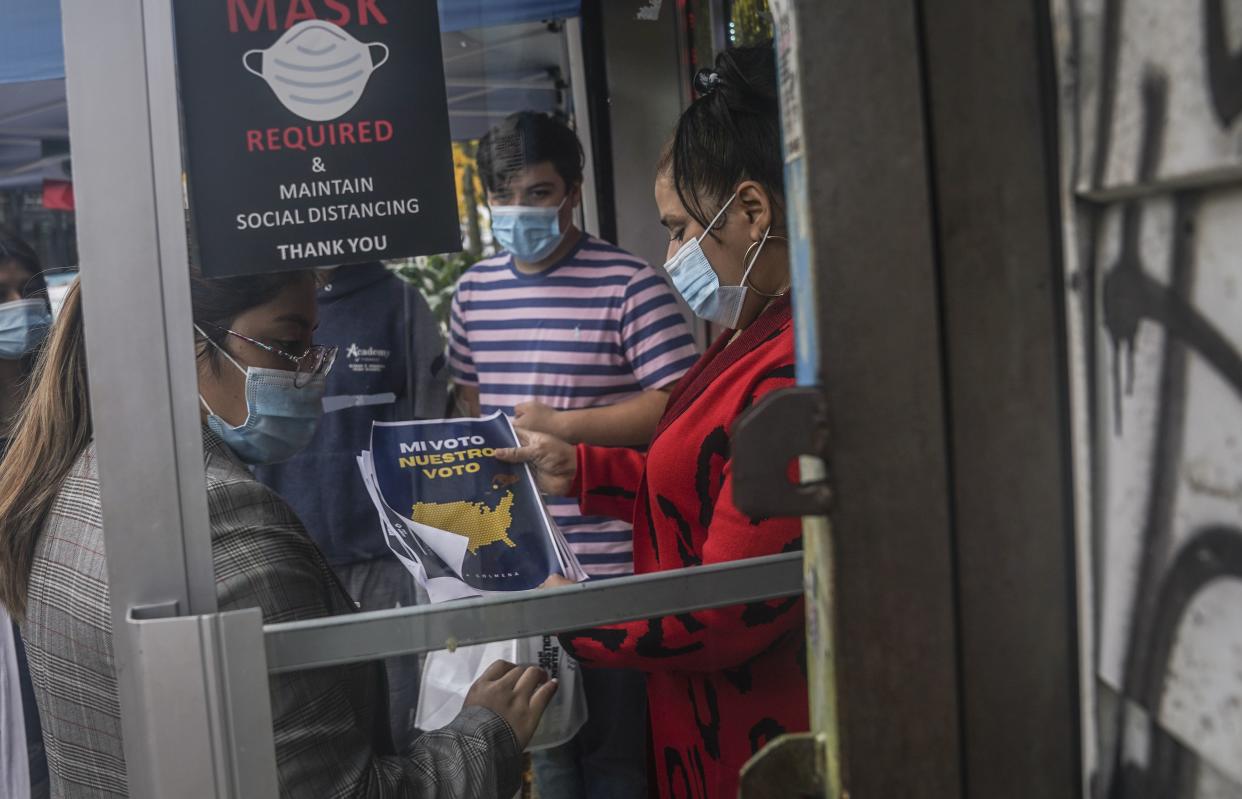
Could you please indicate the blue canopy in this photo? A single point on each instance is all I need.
(31, 47)
(460, 15)
(30, 43)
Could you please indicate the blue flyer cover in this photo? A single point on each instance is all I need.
(462, 521)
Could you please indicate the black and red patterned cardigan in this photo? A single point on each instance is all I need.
(721, 683)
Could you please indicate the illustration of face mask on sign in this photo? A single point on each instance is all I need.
(317, 70)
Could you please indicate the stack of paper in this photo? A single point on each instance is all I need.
(462, 522)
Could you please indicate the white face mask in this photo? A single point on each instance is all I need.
(317, 70)
(696, 280)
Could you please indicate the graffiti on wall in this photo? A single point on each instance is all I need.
(1153, 91)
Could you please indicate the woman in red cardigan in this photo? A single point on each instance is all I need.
(722, 683)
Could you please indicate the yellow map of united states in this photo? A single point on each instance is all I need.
(474, 521)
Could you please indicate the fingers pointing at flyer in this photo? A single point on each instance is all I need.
(554, 462)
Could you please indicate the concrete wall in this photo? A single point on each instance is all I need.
(647, 87)
(1151, 94)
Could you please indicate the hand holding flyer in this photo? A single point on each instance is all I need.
(463, 522)
(553, 462)
(466, 524)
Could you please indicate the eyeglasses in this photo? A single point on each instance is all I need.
(317, 360)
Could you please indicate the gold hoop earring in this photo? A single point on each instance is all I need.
(746, 266)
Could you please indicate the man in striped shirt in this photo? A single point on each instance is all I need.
(575, 337)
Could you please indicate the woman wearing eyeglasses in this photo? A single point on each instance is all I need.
(260, 385)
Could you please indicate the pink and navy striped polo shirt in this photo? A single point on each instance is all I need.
(597, 328)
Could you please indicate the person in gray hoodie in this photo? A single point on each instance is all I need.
(391, 367)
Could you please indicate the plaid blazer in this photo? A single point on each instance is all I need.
(331, 725)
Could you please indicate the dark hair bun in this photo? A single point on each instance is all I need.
(747, 76)
(731, 133)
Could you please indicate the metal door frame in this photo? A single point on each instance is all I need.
(900, 601)
(922, 183)
(193, 687)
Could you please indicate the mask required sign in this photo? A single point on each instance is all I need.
(316, 132)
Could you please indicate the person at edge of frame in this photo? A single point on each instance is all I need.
(261, 382)
(24, 321)
(391, 368)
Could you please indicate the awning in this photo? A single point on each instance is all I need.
(31, 46)
(30, 43)
(460, 15)
(492, 72)
(34, 132)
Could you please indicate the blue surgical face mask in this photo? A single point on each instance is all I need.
(531, 233)
(699, 285)
(23, 326)
(281, 418)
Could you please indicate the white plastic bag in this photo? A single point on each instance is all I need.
(447, 676)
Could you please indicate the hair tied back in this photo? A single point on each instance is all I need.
(706, 81)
